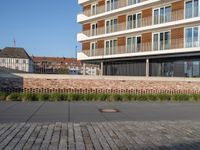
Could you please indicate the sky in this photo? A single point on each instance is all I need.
(42, 27)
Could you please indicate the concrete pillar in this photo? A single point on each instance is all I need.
(84, 69)
(147, 67)
(101, 73)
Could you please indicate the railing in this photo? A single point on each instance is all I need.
(104, 8)
(143, 22)
(145, 47)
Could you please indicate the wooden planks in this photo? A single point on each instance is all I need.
(101, 136)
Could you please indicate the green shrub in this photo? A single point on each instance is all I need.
(75, 97)
(102, 97)
(181, 97)
(127, 97)
(141, 97)
(14, 97)
(195, 97)
(164, 97)
(29, 97)
(57, 97)
(44, 97)
(90, 97)
(2, 96)
(116, 97)
(152, 97)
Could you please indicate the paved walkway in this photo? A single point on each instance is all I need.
(12, 112)
(183, 135)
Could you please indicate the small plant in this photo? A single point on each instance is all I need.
(164, 97)
(102, 97)
(180, 97)
(90, 97)
(3, 96)
(127, 97)
(57, 97)
(195, 97)
(141, 97)
(116, 97)
(29, 97)
(44, 97)
(14, 97)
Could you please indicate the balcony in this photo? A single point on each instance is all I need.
(126, 26)
(80, 2)
(172, 46)
(120, 6)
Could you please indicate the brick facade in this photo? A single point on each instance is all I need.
(177, 37)
(68, 84)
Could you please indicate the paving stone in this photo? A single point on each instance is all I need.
(127, 135)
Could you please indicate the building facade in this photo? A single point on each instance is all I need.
(141, 37)
(15, 59)
(62, 65)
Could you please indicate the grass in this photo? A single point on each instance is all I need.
(97, 97)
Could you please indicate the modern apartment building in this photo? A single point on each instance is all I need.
(141, 37)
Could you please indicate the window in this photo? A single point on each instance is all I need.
(162, 15)
(110, 47)
(192, 37)
(94, 29)
(111, 25)
(133, 44)
(191, 8)
(134, 21)
(17, 61)
(93, 47)
(24, 61)
(131, 2)
(161, 41)
(111, 5)
(94, 9)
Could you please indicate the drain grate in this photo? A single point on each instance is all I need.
(108, 110)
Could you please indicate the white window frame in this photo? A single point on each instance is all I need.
(159, 13)
(109, 46)
(192, 8)
(192, 35)
(96, 6)
(110, 24)
(136, 36)
(133, 4)
(159, 39)
(131, 14)
(95, 43)
(109, 6)
(96, 28)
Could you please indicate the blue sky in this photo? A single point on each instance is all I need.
(42, 27)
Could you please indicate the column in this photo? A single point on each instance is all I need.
(84, 69)
(101, 73)
(147, 67)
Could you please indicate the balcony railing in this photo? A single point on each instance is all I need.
(104, 8)
(143, 22)
(144, 47)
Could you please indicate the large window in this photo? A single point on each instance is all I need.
(134, 21)
(93, 29)
(191, 8)
(133, 44)
(110, 47)
(111, 25)
(162, 15)
(93, 47)
(131, 2)
(192, 37)
(161, 41)
(111, 5)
